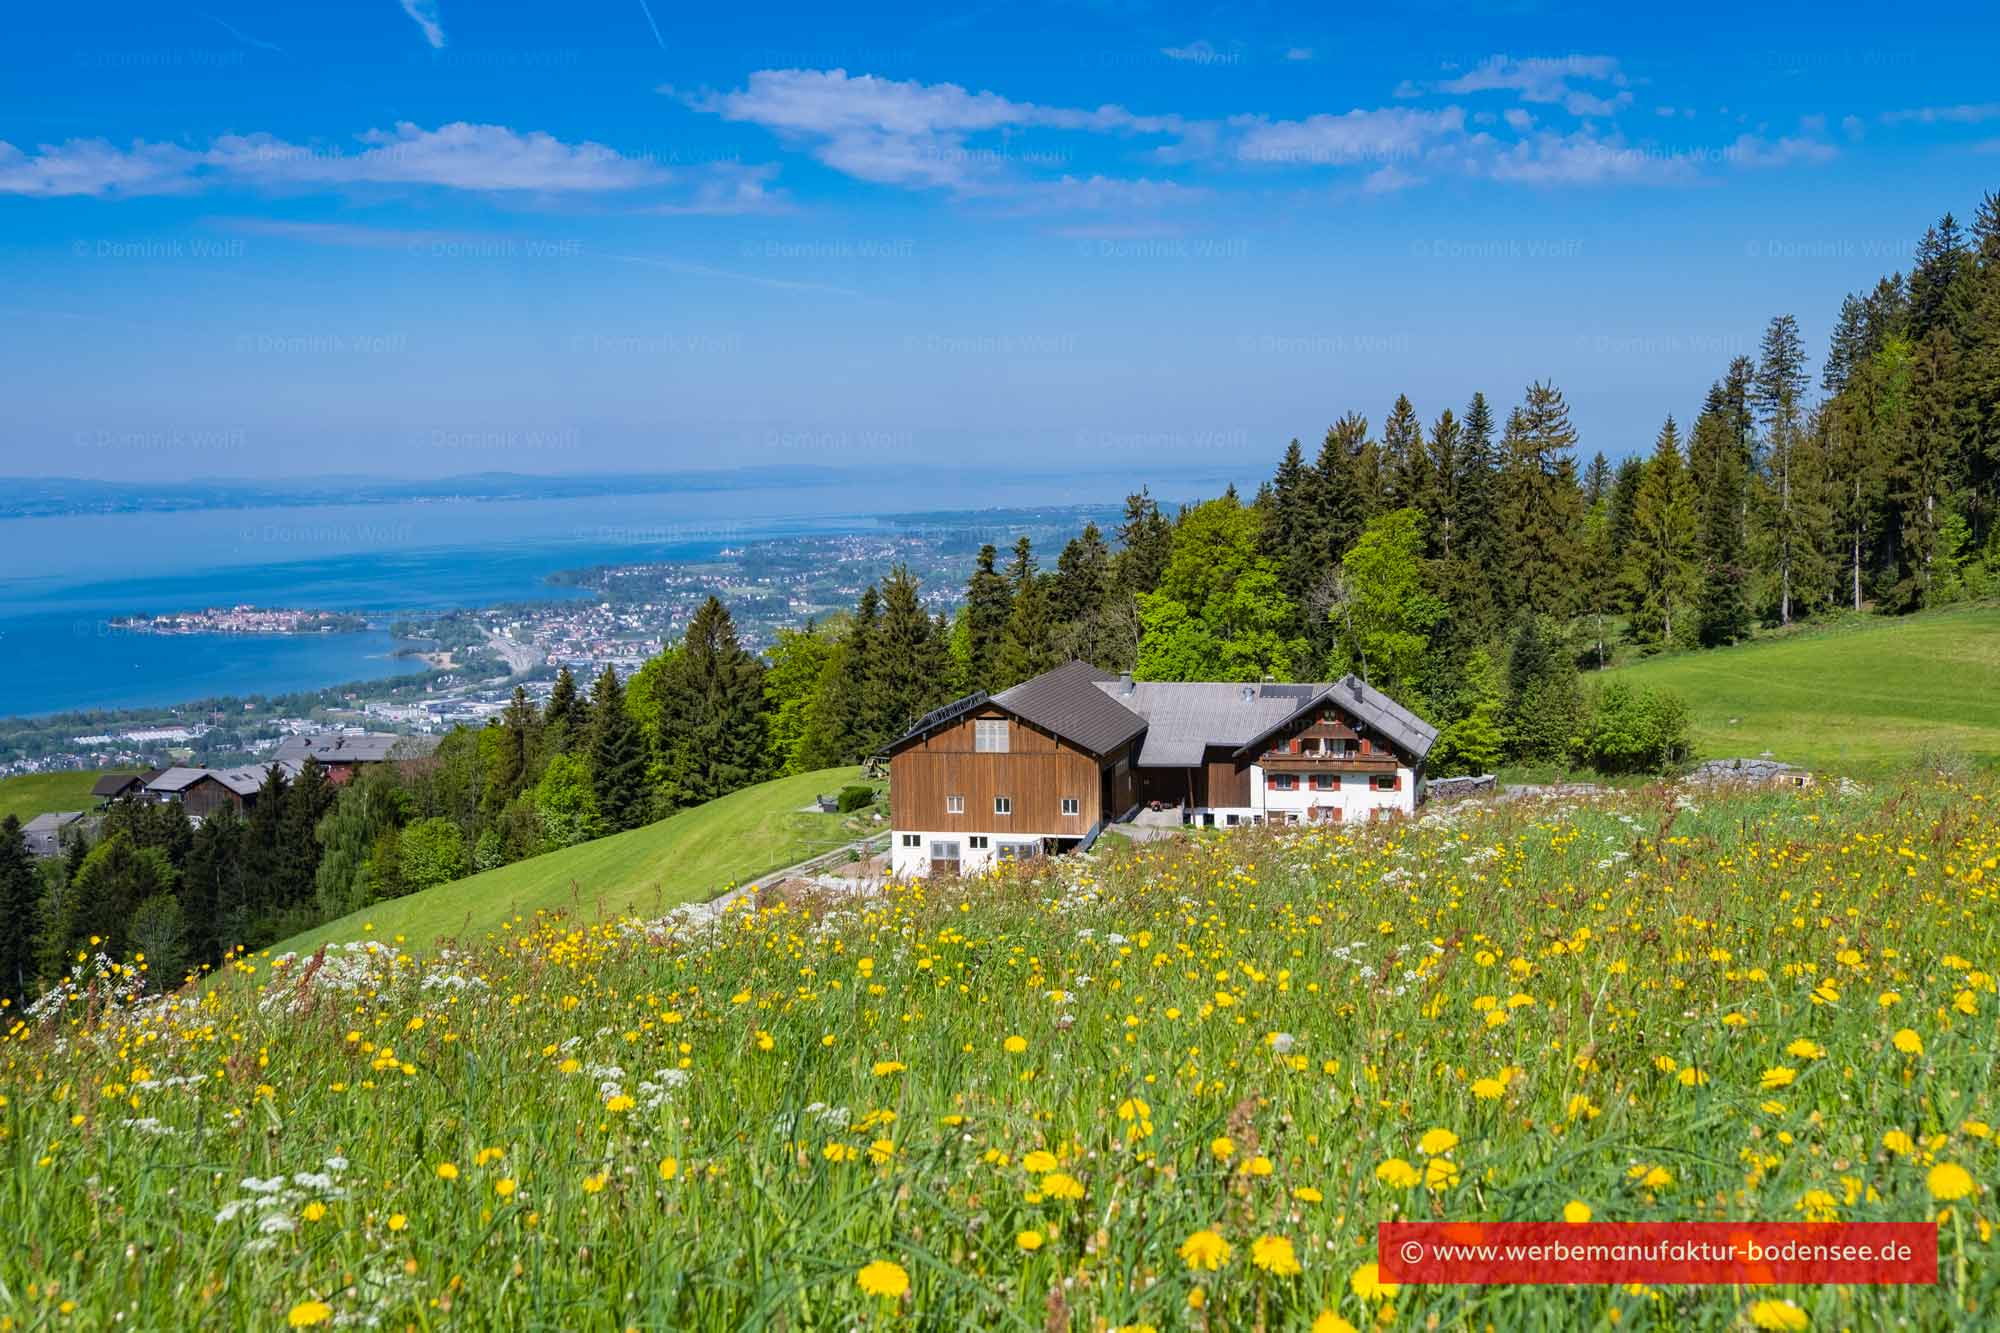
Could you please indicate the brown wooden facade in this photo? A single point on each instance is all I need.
(1036, 774)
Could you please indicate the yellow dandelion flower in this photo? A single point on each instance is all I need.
(669, 1168)
(1275, 1256)
(1576, 1210)
(1329, 1322)
(1440, 1173)
(1062, 1185)
(446, 1171)
(1397, 1174)
(1367, 1283)
(1777, 1316)
(1039, 1162)
(883, 1278)
(1778, 1076)
(1015, 1045)
(1437, 1141)
(1908, 1042)
(1223, 1147)
(1948, 1181)
(1205, 1249)
(1029, 1241)
(1488, 1089)
(307, 1313)
(1899, 1143)
(398, 1221)
(1307, 1194)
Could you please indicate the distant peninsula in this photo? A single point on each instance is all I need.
(242, 620)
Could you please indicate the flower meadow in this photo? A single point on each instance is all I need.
(1174, 1085)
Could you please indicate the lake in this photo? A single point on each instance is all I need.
(62, 578)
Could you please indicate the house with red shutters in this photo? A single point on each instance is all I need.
(1042, 768)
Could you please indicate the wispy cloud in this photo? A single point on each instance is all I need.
(912, 134)
(1356, 136)
(458, 156)
(1299, 53)
(243, 37)
(424, 13)
(1754, 150)
(1584, 158)
(1965, 113)
(1538, 78)
(1201, 52)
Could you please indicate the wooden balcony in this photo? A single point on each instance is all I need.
(1284, 761)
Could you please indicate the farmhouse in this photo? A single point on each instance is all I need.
(203, 791)
(1042, 768)
(342, 754)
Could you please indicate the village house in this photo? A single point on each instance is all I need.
(1043, 767)
(203, 791)
(45, 834)
(344, 754)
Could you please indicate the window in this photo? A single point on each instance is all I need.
(979, 842)
(1017, 851)
(1284, 782)
(954, 805)
(1231, 820)
(1383, 782)
(1003, 805)
(1072, 806)
(913, 840)
(989, 735)
(944, 851)
(1324, 781)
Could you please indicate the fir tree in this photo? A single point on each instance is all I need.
(989, 599)
(1662, 571)
(906, 677)
(1724, 611)
(19, 913)
(1541, 507)
(1145, 544)
(1778, 394)
(712, 734)
(562, 716)
(617, 756)
(1405, 474)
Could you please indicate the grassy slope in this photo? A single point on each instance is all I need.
(33, 794)
(690, 856)
(1860, 696)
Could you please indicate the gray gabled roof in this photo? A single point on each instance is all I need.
(1368, 706)
(1185, 717)
(368, 748)
(1069, 702)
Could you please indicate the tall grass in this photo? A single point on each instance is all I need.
(1022, 1097)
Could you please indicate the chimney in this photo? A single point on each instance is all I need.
(1354, 684)
(1125, 682)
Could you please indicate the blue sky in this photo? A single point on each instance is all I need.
(422, 237)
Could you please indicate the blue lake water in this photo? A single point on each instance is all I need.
(62, 578)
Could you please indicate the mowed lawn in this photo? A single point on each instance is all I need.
(33, 794)
(688, 857)
(1861, 697)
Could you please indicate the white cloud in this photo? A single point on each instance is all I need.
(1536, 78)
(1583, 158)
(1356, 136)
(1388, 180)
(1853, 127)
(1299, 53)
(1752, 150)
(1966, 113)
(1519, 121)
(1583, 104)
(1814, 124)
(1406, 90)
(458, 156)
(913, 134)
(1200, 53)
(424, 13)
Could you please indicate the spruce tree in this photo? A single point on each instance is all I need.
(988, 601)
(906, 677)
(1028, 647)
(617, 756)
(310, 796)
(19, 913)
(1079, 596)
(562, 716)
(1662, 571)
(712, 733)
(1541, 505)
(1717, 475)
(1778, 394)
(1145, 544)
(1406, 476)
(1440, 501)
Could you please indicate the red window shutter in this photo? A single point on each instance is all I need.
(1399, 782)
(1336, 814)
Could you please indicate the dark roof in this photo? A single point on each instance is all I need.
(1366, 704)
(937, 717)
(111, 784)
(1068, 702)
(367, 748)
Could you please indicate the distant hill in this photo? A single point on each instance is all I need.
(646, 871)
(1862, 695)
(33, 794)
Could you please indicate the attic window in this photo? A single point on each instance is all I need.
(989, 735)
